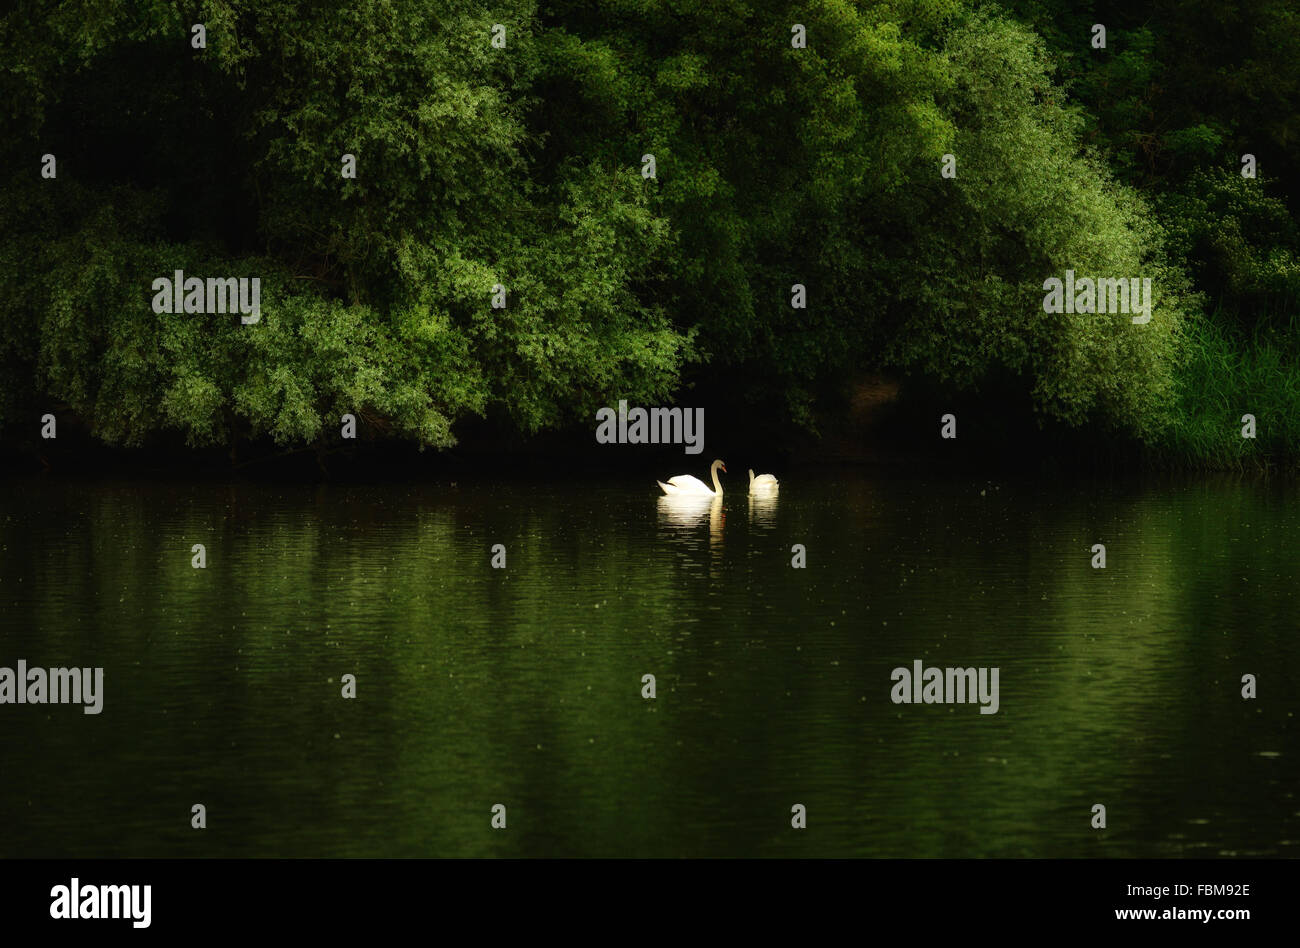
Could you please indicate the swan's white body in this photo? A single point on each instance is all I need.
(763, 484)
(688, 484)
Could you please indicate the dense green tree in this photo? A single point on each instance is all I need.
(477, 166)
(376, 288)
(821, 165)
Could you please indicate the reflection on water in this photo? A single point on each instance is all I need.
(685, 514)
(762, 507)
(522, 685)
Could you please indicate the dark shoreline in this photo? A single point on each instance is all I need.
(888, 434)
(549, 459)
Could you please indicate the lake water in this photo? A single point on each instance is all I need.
(522, 686)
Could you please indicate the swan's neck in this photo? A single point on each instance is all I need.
(717, 485)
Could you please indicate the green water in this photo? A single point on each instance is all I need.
(523, 686)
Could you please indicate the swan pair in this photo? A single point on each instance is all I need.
(688, 484)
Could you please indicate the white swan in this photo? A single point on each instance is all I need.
(763, 484)
(687, 484)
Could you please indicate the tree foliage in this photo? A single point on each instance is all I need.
(521, 167)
